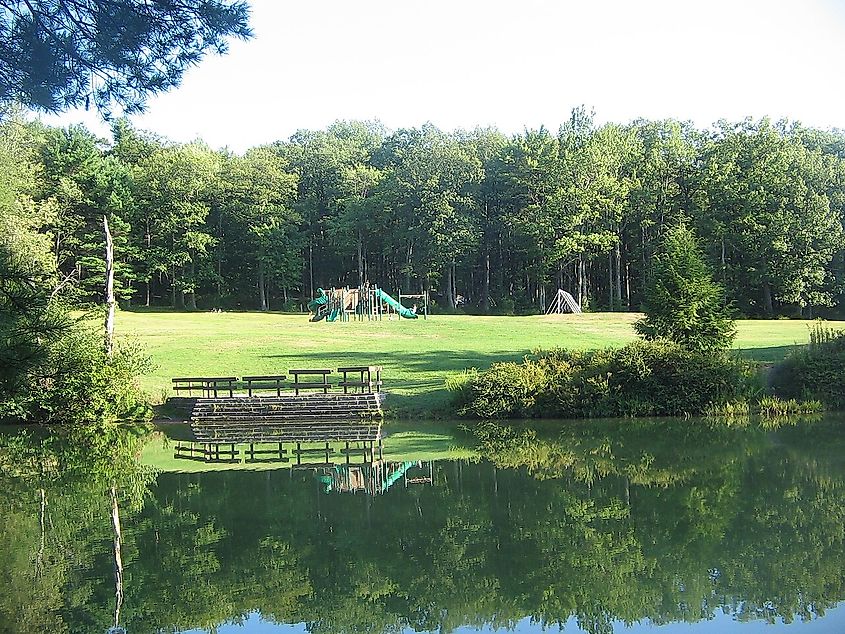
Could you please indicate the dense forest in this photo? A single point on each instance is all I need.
(483, 220)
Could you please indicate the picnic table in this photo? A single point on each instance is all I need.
(207, 385)
(322, 384)
(365, 381)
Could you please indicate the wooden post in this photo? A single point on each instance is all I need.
(109, 334)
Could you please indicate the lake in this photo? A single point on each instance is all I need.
(602, 527)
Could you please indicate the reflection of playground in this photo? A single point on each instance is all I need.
(374, 478)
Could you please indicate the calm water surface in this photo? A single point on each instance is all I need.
(647, 526)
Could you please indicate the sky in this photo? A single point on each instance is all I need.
(722, 623)
(511, 65)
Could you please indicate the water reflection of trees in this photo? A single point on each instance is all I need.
(652, 520)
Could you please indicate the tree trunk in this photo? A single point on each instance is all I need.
(118, 559)
(173, 286)
(541, 296)
(360, 259)
(311, 268)
(408, 261)
(768, 309)
(42, 542)
(454, 284)
(610, 293)
(579, 278)
(192, 294)
(450, 298)
(148, 239)
(618, 274)
(262, 285)
(219, 256)
(109, 325)
(485, 289)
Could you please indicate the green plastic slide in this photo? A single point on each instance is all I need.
(317, 303)
(407, 313)
(393, 477)
(320, 300)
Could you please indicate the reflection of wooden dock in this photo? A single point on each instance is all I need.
(285, 426)
(296, 454)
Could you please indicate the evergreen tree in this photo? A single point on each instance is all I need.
(682, 302)
(56, 55)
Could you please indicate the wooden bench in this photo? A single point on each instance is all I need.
(365, 382)
(207, 385)
(266, 382)
(311, 385)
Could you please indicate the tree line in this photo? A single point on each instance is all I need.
(483, 220)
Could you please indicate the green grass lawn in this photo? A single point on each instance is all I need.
(417, 355)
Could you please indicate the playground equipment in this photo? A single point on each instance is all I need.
(563, 302)
(366, 302)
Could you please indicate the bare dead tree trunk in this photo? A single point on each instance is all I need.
(109, 325)
(118, 559)
(42, 521)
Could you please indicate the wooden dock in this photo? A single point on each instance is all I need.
(220, 424)
(228, 425)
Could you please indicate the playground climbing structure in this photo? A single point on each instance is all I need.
(563, 302)
(364, 303)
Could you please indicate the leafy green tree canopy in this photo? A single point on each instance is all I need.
(682, 303)
(58, 54)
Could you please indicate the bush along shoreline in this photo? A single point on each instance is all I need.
(649, 378)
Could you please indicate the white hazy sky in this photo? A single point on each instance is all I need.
(510, 64)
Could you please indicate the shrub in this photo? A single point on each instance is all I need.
(644, 378)
(78, 384)
(506, 390)
(815, 371)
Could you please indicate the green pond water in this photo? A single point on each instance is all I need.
(601, 527)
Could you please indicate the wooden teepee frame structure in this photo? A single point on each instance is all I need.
(563, 302)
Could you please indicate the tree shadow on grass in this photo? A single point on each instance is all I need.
(435, 361)
(771, 354)
(429, 392)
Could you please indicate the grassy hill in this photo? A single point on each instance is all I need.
(417, 355)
